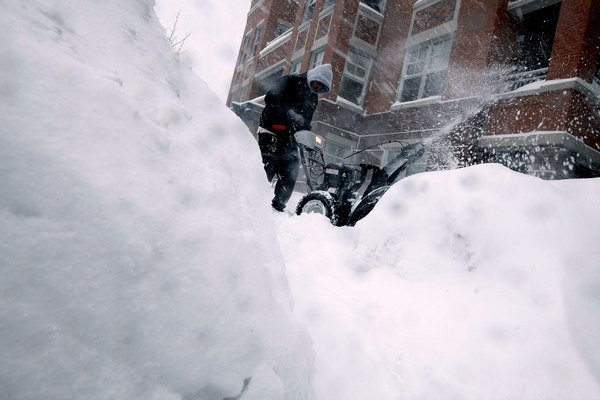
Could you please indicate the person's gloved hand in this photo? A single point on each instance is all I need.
(297, 118)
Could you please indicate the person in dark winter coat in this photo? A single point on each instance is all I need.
(289, 107)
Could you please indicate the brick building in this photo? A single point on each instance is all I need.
(516, 82)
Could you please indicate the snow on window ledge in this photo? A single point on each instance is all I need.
(416, 103)
(543, 138)
(340, 101)
(588, 89)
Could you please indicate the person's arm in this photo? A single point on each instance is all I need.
(306, 114)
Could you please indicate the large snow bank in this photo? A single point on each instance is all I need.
(478, 283)
(137, 255)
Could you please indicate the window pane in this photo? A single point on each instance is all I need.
(308, 11)
(327, 3)
(374, 4)
(416, 68)
(256, 39)
(433, 84)
(357, 65)
(296, 67)
(317, 59)
(410, 90)
(351, 90)
(439, 62)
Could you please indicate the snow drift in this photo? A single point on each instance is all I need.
(140, 259)
(135, 261)
(478, 283)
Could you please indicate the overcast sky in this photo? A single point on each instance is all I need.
(216, 28)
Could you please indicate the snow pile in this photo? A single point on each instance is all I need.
(140, 259)
(137, 259)
(471, 284)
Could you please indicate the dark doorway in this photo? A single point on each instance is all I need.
(535, 36)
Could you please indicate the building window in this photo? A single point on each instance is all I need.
(356, 72)
(317, 58)
(367, 30)
(268, 82)
(308, 11)
(425, 69)
(376, 5)
(535, 37)
(323, 28)
(256, 39)
(281, 28)
(243, 93)
(301, 40)
(327, 3)
(245, 48)
(295, 69)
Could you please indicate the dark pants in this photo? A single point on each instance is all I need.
(280, 159)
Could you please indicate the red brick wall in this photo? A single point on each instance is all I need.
(565, 110)
(434, 15)
(367, 29)
(475, 45)
(387, 67)
(576, 41)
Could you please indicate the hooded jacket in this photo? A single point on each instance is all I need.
(293, 92)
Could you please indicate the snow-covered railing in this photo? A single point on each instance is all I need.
(277, 42)
(519, 79)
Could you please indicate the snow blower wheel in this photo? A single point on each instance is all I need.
(320, 202)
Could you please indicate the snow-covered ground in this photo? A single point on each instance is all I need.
(140, 259)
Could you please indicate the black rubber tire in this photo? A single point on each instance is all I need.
(320, 202)
(366, 204)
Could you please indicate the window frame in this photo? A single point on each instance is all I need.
(316, 54)
(245, 48)
(257, 35)
(309, 11)
(382, 4)
(419, 63)
(327, 4)
(296, 67)
(350, 68)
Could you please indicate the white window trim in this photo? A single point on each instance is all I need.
(368, 13)
(425, 72)
(527, 6)
(306, 6)
(323, 41)
(268, 71)
(297, 62)
(365, 80)
(342, 102)
(313, 56)
(256, 38)
(372, 10)
(416, 103)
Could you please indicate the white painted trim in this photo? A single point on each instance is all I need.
(257, 5)
(270, 70)
(543, 138)
(447, 28)
(276, 43)
(416, 103)
(342, 102)
(530, 5)
(540, 87)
